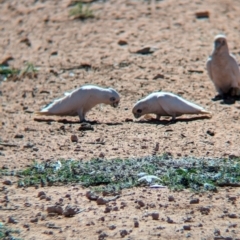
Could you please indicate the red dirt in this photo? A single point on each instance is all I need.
(41, 32)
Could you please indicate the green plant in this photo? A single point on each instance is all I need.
(114, 175)
(79, 11)
(29, 70)
(9, 73)
(6, 71)
(6, 232)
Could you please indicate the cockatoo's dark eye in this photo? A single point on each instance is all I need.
(139, 111)
(112, 99)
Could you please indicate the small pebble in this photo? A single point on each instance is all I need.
(141, 203)
(136, 224)
(112, 227)
(5, 167)
(232, 198)
(7, 182)
(102, 219)
(122, 42)
(194, 201)
(34, 220)
(41, 193)
(101, 201)
(123, 233)
(102, 236)
(187, 227)
(217, 232)
(12, 220)
(171, 198)
(115, 208)
(155, 216)
(27, 204)
(232, 215)
(232, 225)
(26, 225)
(204, 210)
(107, 209)
(43, 197)
(19, 136)
(29, 145)
(91, 196)
(169, 220)
(55, 209)
(38, 214)
(70, 211)
(74, 138)
(210, 132)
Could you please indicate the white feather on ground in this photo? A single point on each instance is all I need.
(166, 104)
(80, 101)
(223, 69)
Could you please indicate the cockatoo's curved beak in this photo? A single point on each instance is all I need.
(218, 44)
(115, 104)
(136, 115)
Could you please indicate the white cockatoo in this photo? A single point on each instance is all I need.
(166, 104)
(223, 69)
(80, 101)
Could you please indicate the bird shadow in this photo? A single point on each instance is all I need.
(66, 121)
(170, 122)
(114, 123)
(49, 120)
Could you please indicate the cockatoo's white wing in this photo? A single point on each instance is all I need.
(81, 100)
(209, 70)
(235, 69)
(176, 106)
(67, 93)
(66, 106)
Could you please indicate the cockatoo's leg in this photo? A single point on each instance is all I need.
(81, 115)
(234, 91)
(173, 120)
(158, 116)
(229, 97)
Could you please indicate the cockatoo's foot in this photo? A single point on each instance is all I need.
(230, 97)
(218, 97)
(173, 120)
(86, 126)
(228, 101)
(158, 117)
(227, 98)
(234, 92)
(88, 121)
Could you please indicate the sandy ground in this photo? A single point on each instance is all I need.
(70, 53)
